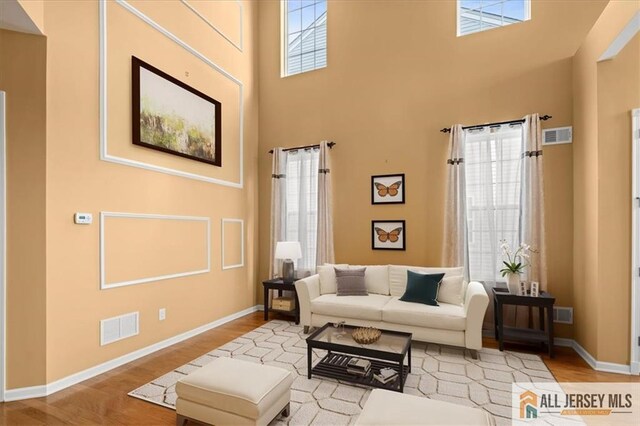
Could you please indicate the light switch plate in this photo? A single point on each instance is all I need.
(162, 314)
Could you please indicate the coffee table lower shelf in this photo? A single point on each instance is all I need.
(334, 366)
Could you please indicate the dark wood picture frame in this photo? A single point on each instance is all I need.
(375, 236)
(136, 64)
(375, 191)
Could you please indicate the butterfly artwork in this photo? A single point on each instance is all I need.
(388, 234)
(387, 189)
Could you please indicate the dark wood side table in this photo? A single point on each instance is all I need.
(280, 286)
(545, 301)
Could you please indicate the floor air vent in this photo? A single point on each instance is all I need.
(563, 315)
(118, 328)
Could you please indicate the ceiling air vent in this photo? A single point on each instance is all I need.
(557, 136)
(562, 315)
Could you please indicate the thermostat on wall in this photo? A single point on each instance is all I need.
(83, 218)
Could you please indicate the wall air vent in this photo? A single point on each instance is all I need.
(118, 328)
(557, 136)
(563, 315)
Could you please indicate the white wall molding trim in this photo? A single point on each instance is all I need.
(237, 45)
(65, 382)
(621, 40)
(606, 367)
(104, 154)
(241, 264)
(103, 265)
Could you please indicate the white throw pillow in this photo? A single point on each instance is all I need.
(328, 282)
(451, 290)
(376, 278)
(398, 276)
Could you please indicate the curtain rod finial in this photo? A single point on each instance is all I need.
(445, 130)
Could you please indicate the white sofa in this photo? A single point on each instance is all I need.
(456, 324)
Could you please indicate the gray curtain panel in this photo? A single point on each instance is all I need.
(278, 194)
(325, 252)
(532, 200)
(454, 252)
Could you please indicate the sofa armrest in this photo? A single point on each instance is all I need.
(475, 307)
(307, 289)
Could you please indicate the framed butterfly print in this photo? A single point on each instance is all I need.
(388, 235)
(387, 189)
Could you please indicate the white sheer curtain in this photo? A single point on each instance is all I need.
(493, 177)
(493, 187)
(300, 213)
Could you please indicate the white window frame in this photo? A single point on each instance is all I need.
(635, 250)
(284, 41)
(527, 17)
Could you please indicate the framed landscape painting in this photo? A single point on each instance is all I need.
(388, 235)
(173, 117)
(387, 189)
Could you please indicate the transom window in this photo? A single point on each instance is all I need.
(480, 15)
(304, 36)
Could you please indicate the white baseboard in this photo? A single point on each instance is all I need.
(65, 382)
(605, 367)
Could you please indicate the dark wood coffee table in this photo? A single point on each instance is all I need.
(389, 351)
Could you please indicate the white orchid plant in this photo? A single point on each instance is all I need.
(515, 261)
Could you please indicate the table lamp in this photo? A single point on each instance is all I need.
(288, 250)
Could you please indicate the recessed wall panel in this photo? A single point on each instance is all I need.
(142, 248)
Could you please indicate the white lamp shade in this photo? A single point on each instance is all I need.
(288, 250)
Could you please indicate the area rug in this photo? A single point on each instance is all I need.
(438, 372)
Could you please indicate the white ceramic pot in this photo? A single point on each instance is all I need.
(513, 282)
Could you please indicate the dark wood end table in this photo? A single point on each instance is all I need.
(545, 301)
(279, 285)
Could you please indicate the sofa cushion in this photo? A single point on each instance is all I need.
(422, 288)
(327, 273)
(445, 316)
(351, 282)
(398, 276)
(358, 307)
(376, 278)
(451, 290)
(387, 408)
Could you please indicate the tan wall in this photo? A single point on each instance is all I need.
(618, 94)
(35, 10)
(78, 181)
(604, 94)
(397, 74)
(23, 78)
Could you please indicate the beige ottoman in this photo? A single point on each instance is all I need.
(386, 408)
(233, 392)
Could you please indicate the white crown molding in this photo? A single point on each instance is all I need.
(65, 382)
(241, 264)
(103, 265)
(621, 40)
(216, 29)
(104, 154)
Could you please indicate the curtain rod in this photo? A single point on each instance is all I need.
(296, 148)
(480, 126)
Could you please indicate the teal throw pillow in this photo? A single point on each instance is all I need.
(422, 288)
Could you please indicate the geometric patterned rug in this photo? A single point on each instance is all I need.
(438, 372)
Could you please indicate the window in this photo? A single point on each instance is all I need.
(492, 174)
(301, 207)
(304, 36)
(480, 15)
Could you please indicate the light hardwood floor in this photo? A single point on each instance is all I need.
(103, 399)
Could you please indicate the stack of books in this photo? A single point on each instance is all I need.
(386, 375)
(359, 367)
